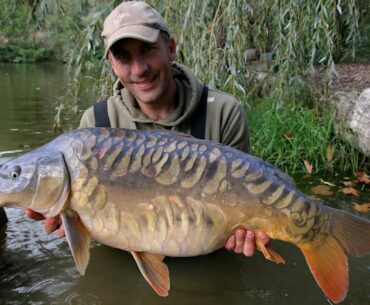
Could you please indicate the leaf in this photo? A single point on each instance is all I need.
(309, 167)
(326, 182)
(348, 183)
(362, 177)
(363, 208)
(350, 191)
(322, 190)
(287, 134)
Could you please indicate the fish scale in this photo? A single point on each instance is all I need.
(159, 193)
(195, 165)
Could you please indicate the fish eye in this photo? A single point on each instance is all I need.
(15, 172)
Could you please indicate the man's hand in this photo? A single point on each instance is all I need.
(51, 224)
(244, 241)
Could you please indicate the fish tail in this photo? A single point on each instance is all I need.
(327, 260)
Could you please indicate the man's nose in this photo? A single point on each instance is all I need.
(139, 66)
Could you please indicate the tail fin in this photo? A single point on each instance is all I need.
(352, 232)
(348, 234)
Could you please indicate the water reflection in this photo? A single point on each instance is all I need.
(36, 268)
(29, 94)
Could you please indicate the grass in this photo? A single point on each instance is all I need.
(287, 137)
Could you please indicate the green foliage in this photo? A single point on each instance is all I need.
(287, 136)
(212, 38)
(25, 52)
(362, 50)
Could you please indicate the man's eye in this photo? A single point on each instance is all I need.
(121, 57)
(146, 47)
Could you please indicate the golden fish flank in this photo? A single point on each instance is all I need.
(171, 147)
(257, 189)
(170, 174)
(81, 177)
(112, 156)
(147, 168)
(92, 163)
(99, 197)
(181, 145)
(158, 193)
(214, 154)
(151, 141)
(202, 148)
(185, 153)
(122, 167)
(137, 159)
(285, 201)
(160, 164)
(104, 148)
(191, 161)
(214, 182)
(271, 199)
(195, 175)
(158, 152)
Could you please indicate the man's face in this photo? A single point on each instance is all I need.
(144, 68)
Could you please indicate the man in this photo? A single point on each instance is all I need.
(154, 92)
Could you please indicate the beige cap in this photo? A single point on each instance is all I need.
(132, 19)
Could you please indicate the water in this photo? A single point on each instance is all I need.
(36, 268)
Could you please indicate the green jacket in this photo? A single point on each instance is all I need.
(226, 121)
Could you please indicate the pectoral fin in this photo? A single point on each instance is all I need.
(78, 239)
(154, 270)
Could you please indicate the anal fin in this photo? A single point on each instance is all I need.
(270, 254)
(78, 239)
(154, 270)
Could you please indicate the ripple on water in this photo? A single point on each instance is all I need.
(77, 298)
(34, 266)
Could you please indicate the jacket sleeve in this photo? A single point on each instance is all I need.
(88, 118)
(235, 131)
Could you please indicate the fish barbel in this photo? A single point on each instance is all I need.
(158, 193)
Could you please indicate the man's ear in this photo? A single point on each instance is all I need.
(172, 49)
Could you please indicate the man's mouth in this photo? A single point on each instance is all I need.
(145, 84)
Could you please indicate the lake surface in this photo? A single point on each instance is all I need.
(36, 268)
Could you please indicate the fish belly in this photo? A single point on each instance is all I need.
(169, 225)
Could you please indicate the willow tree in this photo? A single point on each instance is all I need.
(213, 37)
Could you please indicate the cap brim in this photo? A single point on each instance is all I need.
(139, 32)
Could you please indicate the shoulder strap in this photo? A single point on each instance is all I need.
(101, 114)
(198, 122)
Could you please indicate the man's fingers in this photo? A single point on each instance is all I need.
(249, 243)
(239, 243)
(231, 242)
(34, 215)
(52, 223)
(262, 237)
(61, 232)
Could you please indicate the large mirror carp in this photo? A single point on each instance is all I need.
(157, 194)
